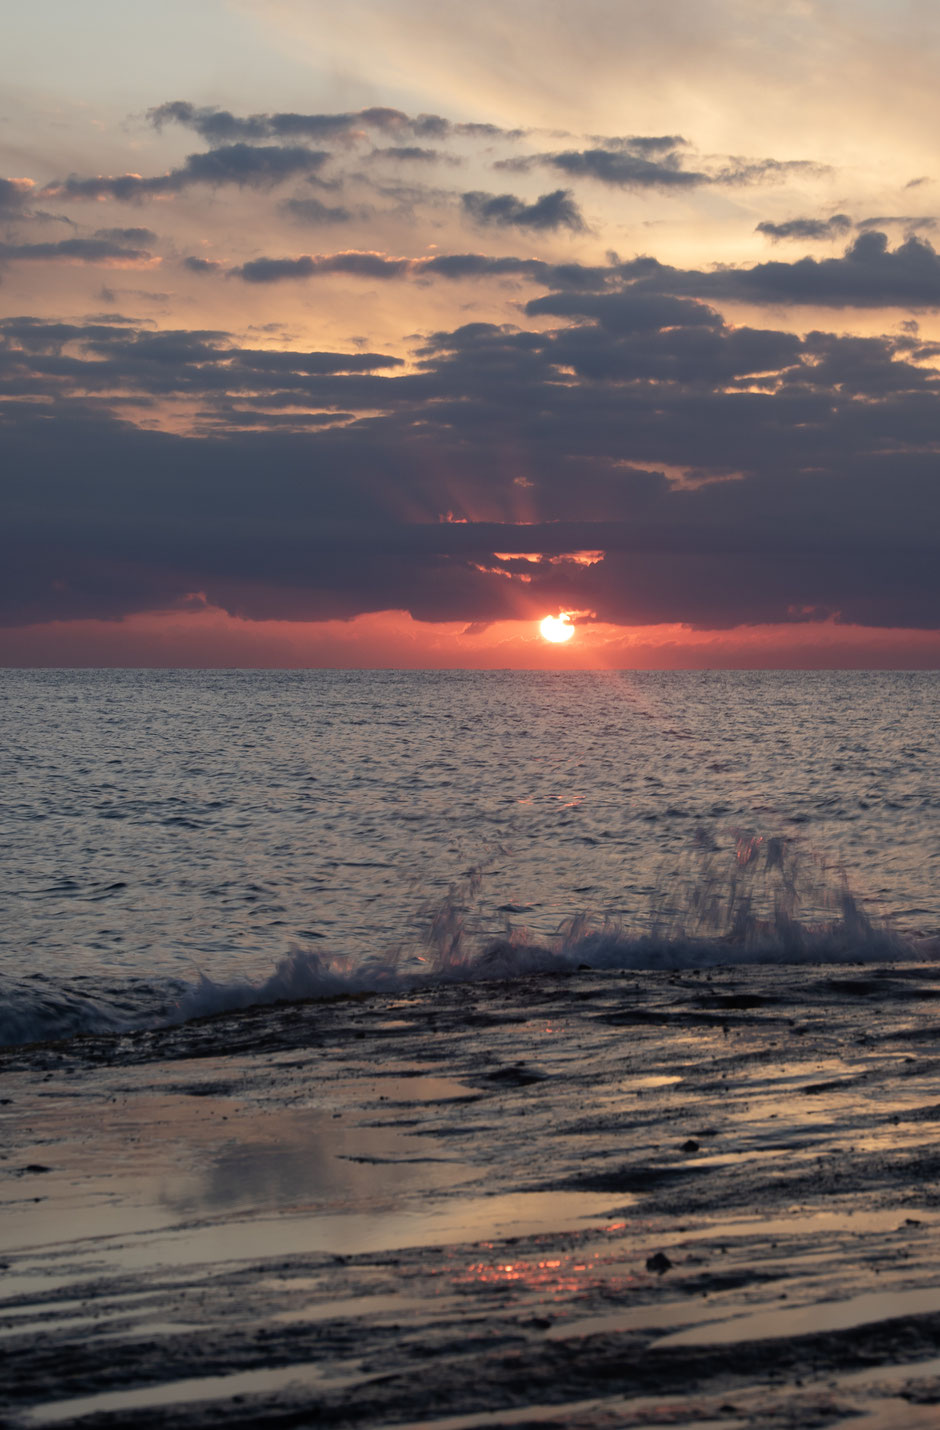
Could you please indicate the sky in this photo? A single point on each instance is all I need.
(368, 335)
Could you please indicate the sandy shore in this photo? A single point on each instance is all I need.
(705, 1199)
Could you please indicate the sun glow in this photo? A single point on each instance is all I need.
(557, 628)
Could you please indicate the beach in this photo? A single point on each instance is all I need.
(694, 1197)
(469, 775)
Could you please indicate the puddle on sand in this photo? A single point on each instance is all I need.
(662, 1413)
(646, 1317)
(206, 1161)
(442, 1222)
(41, 1281)
(176, 1392)
(800, 1222)
(398, 1090)
(821, 1316)
(892, 1414)
(891, 1374)
(636, 1086)
(353, 1307)
(122, 1319)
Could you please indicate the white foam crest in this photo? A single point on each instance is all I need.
(764, 900)
(301, 976)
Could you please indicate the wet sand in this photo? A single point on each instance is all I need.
(707, 1199)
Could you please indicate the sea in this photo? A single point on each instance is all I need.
(177, 843)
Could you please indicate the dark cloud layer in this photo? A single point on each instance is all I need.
(809, 489)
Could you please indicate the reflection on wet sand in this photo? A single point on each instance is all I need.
(164, 1156)
(809, 1320)
(309, 1159)
(496, 1224)
(191, 1391)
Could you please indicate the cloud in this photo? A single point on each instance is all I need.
(657, 163)
(761, 171)
(251, 164)
(550, 211)
(13, 194)
(452, 266)
(646, 145)
(138, 236)
(633, 162)
(627, 312)
(241, 164)
(731, 470)
(42, 335)
(840, 224)
(412, 154)
(625, 170)
(361, 265)
(313, 211)
(219, 126)
(481, 265)
(74, 250)
(270, 421)
(868, 275)
(264, 360)
(908, 222)
(807, 228)
(730, 475)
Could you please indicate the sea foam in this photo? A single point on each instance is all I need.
(763, 900)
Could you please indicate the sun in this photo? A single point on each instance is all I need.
(557, 629)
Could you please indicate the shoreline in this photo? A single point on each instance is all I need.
(696, 1197)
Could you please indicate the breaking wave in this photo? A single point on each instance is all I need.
(763, 901)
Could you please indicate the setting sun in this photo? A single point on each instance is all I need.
(557, 628)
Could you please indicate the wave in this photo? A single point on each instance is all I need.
(36, 1009)
(764, 901)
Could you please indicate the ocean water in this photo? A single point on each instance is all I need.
(177, 842)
